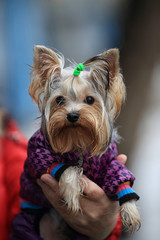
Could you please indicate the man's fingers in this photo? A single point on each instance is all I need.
(122, 158)
(49, 187)
(92, 190)
(50, 181)
(49, 193)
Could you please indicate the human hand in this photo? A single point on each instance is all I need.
(99, 214)
(122, 158)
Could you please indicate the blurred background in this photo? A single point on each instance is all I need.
(80, 30)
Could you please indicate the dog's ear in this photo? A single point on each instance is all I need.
(116, 91)
(106, 77)
(45, 63)
(111, 63)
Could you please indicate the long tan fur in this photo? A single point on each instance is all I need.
(102, 81)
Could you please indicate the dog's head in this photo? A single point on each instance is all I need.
(77, 111)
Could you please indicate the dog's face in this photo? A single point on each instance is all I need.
(77, 111)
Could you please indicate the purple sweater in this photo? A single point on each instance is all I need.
(105, 170)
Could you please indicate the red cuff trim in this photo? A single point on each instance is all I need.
(123, 186)
(51, 167)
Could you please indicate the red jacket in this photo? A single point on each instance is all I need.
(13, 146)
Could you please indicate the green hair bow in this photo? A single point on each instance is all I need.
(78, 69)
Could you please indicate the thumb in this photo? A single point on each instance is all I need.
(122, 158)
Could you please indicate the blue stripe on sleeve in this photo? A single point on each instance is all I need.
(125, 192)
(29, 205)
(55, 169)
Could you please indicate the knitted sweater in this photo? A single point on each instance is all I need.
(105, 171)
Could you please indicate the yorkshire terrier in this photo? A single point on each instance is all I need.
(79, 106)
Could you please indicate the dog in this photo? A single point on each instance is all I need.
(79, 105)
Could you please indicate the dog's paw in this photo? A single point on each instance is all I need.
(130, 216)
(72, 185)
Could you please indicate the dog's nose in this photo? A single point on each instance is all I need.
(72, 117)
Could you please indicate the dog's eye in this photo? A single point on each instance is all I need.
(89, 100)
(60, 100)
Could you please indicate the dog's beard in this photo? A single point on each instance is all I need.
(87, 134)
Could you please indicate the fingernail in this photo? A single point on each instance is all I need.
(46, 178)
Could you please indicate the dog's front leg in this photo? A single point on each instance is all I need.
(130, 216)
(72, 185)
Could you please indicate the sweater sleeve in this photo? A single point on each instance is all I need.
(40, 155)
(39, 158)
(114, 173)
